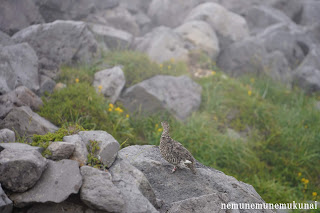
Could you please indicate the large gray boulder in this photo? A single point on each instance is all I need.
(21, 96)
(52, 10)
(261, 17)
(18, 14)
(18, 66)
(162, 44)
(119, 18)
(46, 85)
(108, 146)
(59, 42)
(229, 26)
(170, 13)
(5, 40)
(291, 8)
(179, 95)
(5, 203)
(7, 135)
(135, 6)
(20, 169)
(110, 82)
(200, 37)
(58, 181)
(134, 186)
(98, 191)
(26, 122)
(183, 185)
(111, 38)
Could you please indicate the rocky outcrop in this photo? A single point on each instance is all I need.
(179, 95)
(7, 135)
(58, 181)
(18, 66)
(69, 42)
(21, 96)
(16, 15)
(183, 190)
(162, 44)
(20, 169)
(110, 82)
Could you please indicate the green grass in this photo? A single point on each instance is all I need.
(279, 127)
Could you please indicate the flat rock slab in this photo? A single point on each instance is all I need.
(5, 203)
(182, 184)
(134, 186)
(20, 146)
(20, 169)
(59, 180)
(179, 95)
(98, 191)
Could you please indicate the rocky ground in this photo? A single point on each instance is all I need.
(279, 38)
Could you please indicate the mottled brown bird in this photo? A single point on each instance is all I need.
(173, 151)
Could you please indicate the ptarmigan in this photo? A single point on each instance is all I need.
(173, 151)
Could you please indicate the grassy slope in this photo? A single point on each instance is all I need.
(280, 128)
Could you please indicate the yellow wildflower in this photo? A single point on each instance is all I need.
(118, 109)
(215, 118)
(110, 109)
(172, 60)
(100, 88)
(314, 194)
(252, 80)
(306, 181)
(127, 116)
(169, 67)
(156, 126)
(77, 80)
(306, 126)
(161, 66)
(299, 174)
(213, 72)
(160, 130)
(303, 180)
(111, 105)
(249, 92)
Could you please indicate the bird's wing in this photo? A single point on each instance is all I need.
(181, 151)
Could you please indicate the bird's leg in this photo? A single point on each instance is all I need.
(174, 169)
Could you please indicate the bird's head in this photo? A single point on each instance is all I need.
(165, 125)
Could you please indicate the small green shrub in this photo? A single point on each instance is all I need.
(93, 160)
(45, 140)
